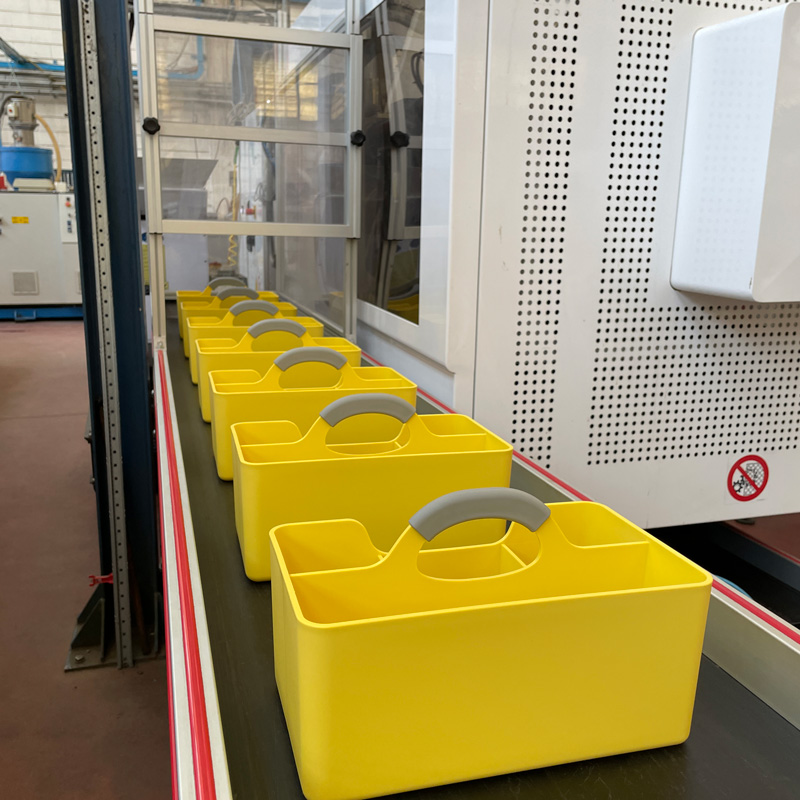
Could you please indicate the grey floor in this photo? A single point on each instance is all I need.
(92, 734)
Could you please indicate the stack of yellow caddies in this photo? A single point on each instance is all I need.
(418, 640)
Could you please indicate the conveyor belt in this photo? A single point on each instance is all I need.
(739, 747)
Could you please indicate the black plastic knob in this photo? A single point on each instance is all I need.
(151, 126)
(400, 139)
(358, 138)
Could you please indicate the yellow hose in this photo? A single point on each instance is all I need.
(233, 240)
(55, 144)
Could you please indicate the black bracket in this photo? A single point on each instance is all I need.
(358, 138)
(400, 139)
(150, 125)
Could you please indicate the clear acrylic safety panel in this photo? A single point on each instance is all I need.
(192, 260)
(310, 272)
(306, 271)
(245, 181)
(211, 80)
(312, 15)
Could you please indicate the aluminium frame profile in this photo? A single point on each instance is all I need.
(188, 130)
(246, 30)
(756, 648)
(353, 183)
(151, 163)
(180, 723)
(226, 227)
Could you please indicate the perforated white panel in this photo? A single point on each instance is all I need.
(641, 396)
(543, 225)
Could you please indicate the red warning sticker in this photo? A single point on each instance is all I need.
(748, 478)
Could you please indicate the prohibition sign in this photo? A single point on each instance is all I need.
(748, 478)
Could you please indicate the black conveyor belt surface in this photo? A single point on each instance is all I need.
(739, 747)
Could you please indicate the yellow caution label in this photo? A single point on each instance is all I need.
(20, 220)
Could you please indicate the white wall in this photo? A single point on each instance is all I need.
(33, 28)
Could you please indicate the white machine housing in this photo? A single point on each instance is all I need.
(39, 262)
(553, 138)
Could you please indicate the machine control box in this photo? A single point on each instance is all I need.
(68, 222)
(38, 249)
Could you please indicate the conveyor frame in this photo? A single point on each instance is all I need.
(235, 743)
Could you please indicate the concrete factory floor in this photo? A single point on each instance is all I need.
(100, 733)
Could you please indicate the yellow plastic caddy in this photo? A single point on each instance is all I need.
(578, 635)
(256, 350)
(211, 314)
(221, 299)
(368, 457)
(216, 283)
(299, 384)
(234, 322)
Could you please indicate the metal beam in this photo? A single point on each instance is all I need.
(78, 135)
(96, 209)
(98, 76)
(228, 227)
(744, 641)
(240, 133)
(136, 430)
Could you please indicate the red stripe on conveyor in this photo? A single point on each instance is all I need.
(170, 699)
(764, 616)
(198, 719)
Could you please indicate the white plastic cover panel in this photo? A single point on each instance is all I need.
(736, 233)
(587, 359)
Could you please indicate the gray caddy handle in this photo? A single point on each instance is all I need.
(369, 403)
(253, 305)
(217, 282)
(269, 325)
(303, 355)
(234, 291)
(472, 504)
